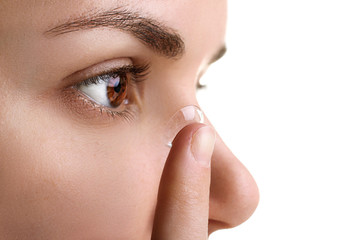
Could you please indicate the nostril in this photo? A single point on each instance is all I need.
(215, 225)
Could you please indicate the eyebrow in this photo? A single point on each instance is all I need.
(161, 39)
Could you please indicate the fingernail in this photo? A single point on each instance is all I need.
(202, 145)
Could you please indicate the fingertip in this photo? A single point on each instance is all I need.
(185, 135)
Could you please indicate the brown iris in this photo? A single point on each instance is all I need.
(117, 88)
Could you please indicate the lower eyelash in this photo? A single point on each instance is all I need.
(89, 110)
(126, 114)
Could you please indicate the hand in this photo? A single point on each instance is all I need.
(183, 201)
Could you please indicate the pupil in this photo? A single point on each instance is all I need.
(117, 88)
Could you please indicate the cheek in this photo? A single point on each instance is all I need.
(54, 181)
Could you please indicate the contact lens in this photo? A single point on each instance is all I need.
(183, 117)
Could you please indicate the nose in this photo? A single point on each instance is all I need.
(234, 194)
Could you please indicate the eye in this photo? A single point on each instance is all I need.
(115, 91)
(109, 90)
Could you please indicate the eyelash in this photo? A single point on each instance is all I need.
(138, 74)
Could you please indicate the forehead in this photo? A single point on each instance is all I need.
(185, 16)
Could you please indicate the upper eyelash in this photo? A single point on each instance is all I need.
(138, 74)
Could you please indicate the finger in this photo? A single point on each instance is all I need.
(183, 200)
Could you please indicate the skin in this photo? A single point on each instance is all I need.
(69, 172)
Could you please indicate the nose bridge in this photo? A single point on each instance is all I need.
(234, 194)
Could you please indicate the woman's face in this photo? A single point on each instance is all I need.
(83, 160)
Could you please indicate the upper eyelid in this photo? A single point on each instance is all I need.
(98, 69)
(108, 72)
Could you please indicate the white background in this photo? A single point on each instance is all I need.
(286, 99)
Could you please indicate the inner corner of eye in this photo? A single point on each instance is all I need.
(201, 82)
